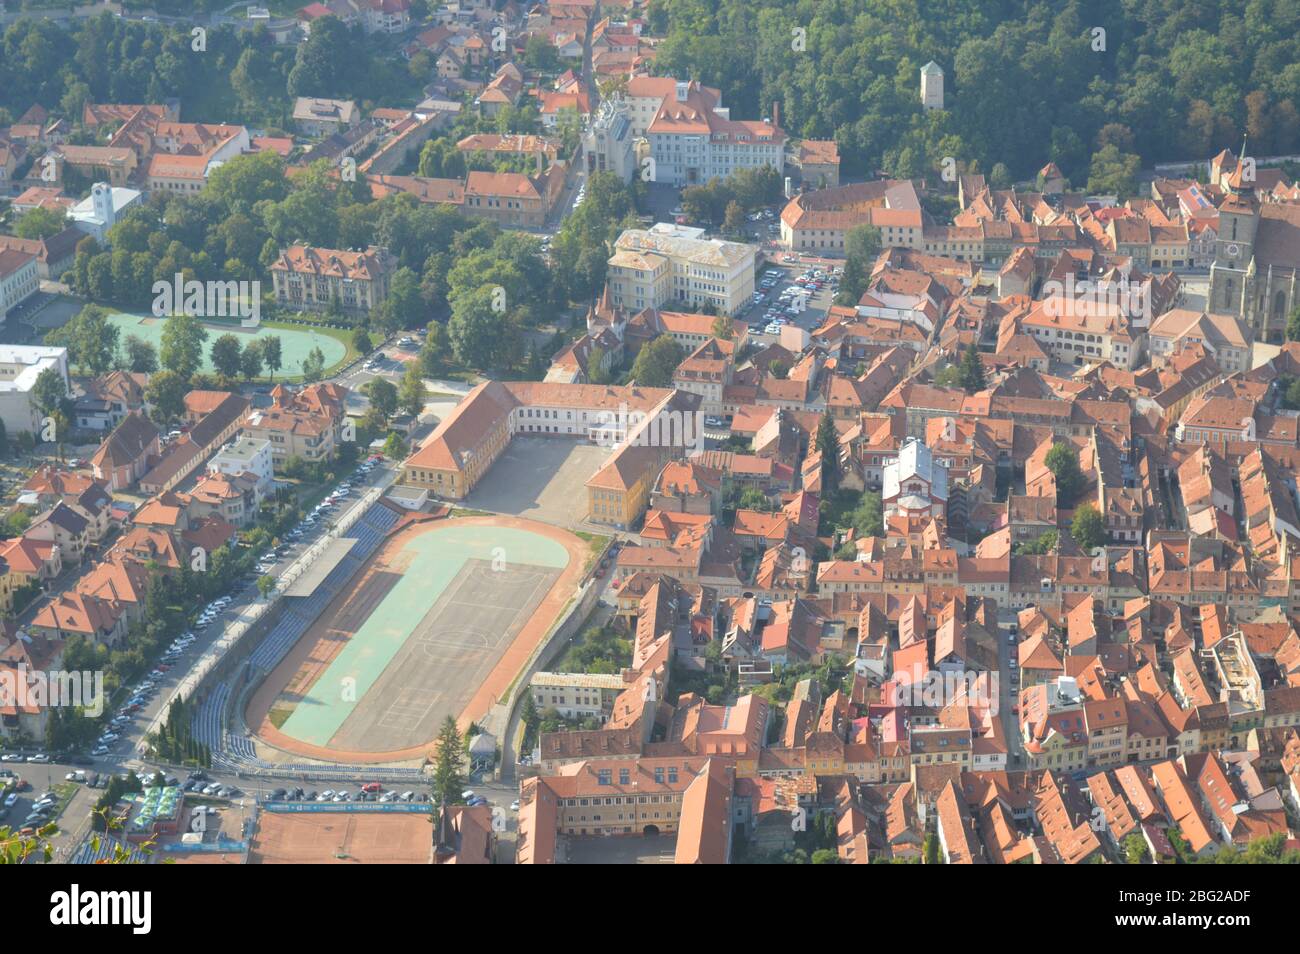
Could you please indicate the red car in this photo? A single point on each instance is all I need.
(372, 787)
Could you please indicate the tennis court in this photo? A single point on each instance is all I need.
(295, 343)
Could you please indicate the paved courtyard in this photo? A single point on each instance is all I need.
(621, 850)
(541, 478)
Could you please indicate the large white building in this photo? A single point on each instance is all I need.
(694, 139)
(654, 267)
(19, 279)
(20, 366)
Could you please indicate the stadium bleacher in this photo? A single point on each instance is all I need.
(297, 616)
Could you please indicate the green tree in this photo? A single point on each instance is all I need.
(861, 246)
(49, 391)
(931, 850)
(91, 340)
(751, 498)
(1063, 461)
(1293, 324)
(272, 356)
(361, 340)
(403, 308)
(139, 356)
(972, 371)
(313, 366)
(733, 221)
(868, 518)
(41, 223)
(250, 362)
(436, 348)
(477, 328)
(166, 396)
(1135, 850)
(1044, 544)
(1113, 172)
(394, 446)
(1088, 528)
(383, 397)
(448, 777)
(828, 445)
(656, 362)
(411, 393)
(226, 356)
(183, 338)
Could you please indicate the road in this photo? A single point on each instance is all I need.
(1008, 696)
(127, 753)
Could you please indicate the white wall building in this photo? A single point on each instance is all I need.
(694, 139)
(98, 212)
(20, 366)
(247, 455)
(19, 279)
(653, 267)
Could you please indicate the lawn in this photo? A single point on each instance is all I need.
(296, 341)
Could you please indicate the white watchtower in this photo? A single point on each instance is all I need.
(932, 86)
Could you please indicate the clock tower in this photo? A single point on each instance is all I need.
(1234, 250)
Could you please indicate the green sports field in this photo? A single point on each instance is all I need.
(424, 637)
(295, 343)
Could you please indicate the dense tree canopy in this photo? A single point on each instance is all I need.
(1027, 81)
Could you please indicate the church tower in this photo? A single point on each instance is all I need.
(1235, 246)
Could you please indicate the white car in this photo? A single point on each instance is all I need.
(39, 757)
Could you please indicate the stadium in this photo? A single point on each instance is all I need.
(401, 621)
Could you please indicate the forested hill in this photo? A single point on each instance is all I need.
(1177, 79)
(238, 77)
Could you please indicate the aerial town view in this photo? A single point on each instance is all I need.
(782, 432)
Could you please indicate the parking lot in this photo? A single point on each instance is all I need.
(790, 294)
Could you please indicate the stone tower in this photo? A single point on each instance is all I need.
(101, 197)
(1235, 246)
(932, 86)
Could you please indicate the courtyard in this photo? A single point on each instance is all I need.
(540, 478)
